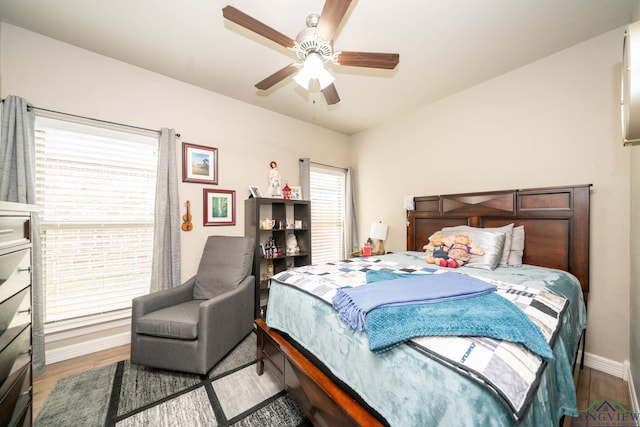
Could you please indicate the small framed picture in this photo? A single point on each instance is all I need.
(219, 207)
(296, 193)
(255, 191)
(199, 164)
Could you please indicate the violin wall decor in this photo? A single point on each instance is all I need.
(186, 218)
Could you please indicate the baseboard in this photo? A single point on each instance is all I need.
(632, 393)
(86, 347)
(608, 366)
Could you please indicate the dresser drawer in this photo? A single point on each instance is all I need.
(15, 272)
(15, 400)
(13, 343)
(23, 360)
(14, 231)
(16, 310)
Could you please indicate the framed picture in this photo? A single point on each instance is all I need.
(296, 193)
(255, 191)
(199, 163)
(219, 207)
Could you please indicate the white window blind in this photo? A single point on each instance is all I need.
(327, 193)
(96, 190)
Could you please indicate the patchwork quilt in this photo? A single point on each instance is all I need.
(508, 370)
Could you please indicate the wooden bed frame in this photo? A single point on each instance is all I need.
(556, 223)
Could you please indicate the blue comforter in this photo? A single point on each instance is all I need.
(408, 387)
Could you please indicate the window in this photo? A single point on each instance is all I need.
(327, 193)
(96, 191)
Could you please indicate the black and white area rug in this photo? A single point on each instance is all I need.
(124, 395)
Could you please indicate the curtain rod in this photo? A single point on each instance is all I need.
(32, 107)
(325, 165)
(98, 120)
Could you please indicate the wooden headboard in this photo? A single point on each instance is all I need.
(555, 220)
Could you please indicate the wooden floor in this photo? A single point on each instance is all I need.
(42, 384)
(595, 385)
(592, 385)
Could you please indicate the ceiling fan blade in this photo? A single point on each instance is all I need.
(277, 77)
(332, 14)
(387, 61)
(252, 24)
(331, 94)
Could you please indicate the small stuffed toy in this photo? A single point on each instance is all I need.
(460, 251)
(439, 246)
(292, 244)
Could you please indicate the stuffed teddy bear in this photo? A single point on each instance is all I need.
(438, 247)
(459, 252)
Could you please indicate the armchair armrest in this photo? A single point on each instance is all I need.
(235, 308)
(155, 301)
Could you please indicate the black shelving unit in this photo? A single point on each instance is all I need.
(296, 214)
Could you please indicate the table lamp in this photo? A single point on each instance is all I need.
(378, 234)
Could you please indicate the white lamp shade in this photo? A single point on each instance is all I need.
(325, 78)
(408, 203)
(313, 68)
(378, 231)
(303, 78)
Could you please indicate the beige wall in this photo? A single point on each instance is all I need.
(57, 76)
(553, 122)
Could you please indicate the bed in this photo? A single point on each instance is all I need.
(334, 376)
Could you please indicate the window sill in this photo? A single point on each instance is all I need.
(70, 329)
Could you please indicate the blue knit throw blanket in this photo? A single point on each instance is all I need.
(486, 316)
(389, 289)
(483, 314)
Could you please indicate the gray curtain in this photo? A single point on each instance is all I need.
(352, 243)
(17, 184)
(166, 242)
(305, 172)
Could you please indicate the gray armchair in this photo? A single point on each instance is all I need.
(191, 327)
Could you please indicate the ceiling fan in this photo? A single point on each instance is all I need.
(314, 47)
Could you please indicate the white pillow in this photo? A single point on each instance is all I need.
(507, 230)
(517, 246)
(491, 242)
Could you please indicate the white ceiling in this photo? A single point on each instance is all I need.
(445, 45)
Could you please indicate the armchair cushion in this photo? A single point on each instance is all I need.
(179, 321)
(225, 262)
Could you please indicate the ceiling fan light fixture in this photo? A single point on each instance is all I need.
(302, 78)
(313, 68)
(314, 47)
(325, 78)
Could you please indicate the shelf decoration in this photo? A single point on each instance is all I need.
(255, 191)
(274, 181)
(296, 193)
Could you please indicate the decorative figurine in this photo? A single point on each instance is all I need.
(286, 191)
(275, 180)
(292, 244)
(270, 248)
